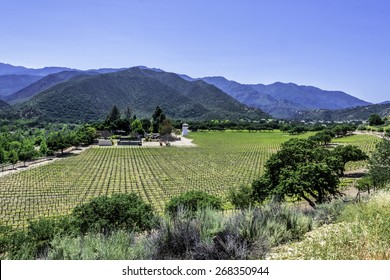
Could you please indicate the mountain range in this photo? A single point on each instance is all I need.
(357, 113)
(40, 85)
(81, 97)
(64, 94)
(8, 69)
(286, 100)
(12, 83)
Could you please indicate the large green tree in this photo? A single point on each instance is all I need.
(27, 151)
(136, 127)
(166, 127)
(375, 119)
(343, 129)
(157, 118)
(114, 115)
(301, 169)
(322, 137)
(348, 153)
(379, 170)
(87, 134)
(59, 140)
(3, 156)
(43, 149)
(13, 157)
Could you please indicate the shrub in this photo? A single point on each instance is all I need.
(241, 198)
(120, 245)
(251, 233)
(328, 212)
(176, 238)
(15, 245)
(193, 201)
(229, 245)
(40, 233)
(201, 236)
(120, 211)
(246, 234)
(276, 222)
(35, 241)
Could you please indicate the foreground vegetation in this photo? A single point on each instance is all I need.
(336, 230)
(124, 227)
(361, 232)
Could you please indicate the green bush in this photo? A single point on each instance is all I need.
(241, 198)
(40, 233)
(120, 211)
(328, 213)
(120, 245)
(176, 238)
(274, 222)
(193, 201)
(15, 245)
(35, 241)
(245, 234)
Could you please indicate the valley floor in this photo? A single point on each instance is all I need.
(220, 160)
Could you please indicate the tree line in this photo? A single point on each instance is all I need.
(128, 122)
(25, 146)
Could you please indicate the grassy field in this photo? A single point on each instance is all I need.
(220, 161)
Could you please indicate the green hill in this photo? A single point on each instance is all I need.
(10, 84)
(40, 85)
(357, 113)
(89, 98)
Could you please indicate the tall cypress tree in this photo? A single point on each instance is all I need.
(157, 118)
(114, 115)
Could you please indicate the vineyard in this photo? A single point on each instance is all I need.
(221, 160)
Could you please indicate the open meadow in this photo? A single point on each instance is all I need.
(219, 161)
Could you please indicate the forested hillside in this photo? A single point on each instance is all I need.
(90, 97)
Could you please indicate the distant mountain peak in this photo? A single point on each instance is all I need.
(8, 69)
(148, 68)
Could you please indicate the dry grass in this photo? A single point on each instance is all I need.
(361, 233)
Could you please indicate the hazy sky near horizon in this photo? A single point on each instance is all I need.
(332, 44)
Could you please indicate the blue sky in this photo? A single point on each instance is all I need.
(332, 44)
